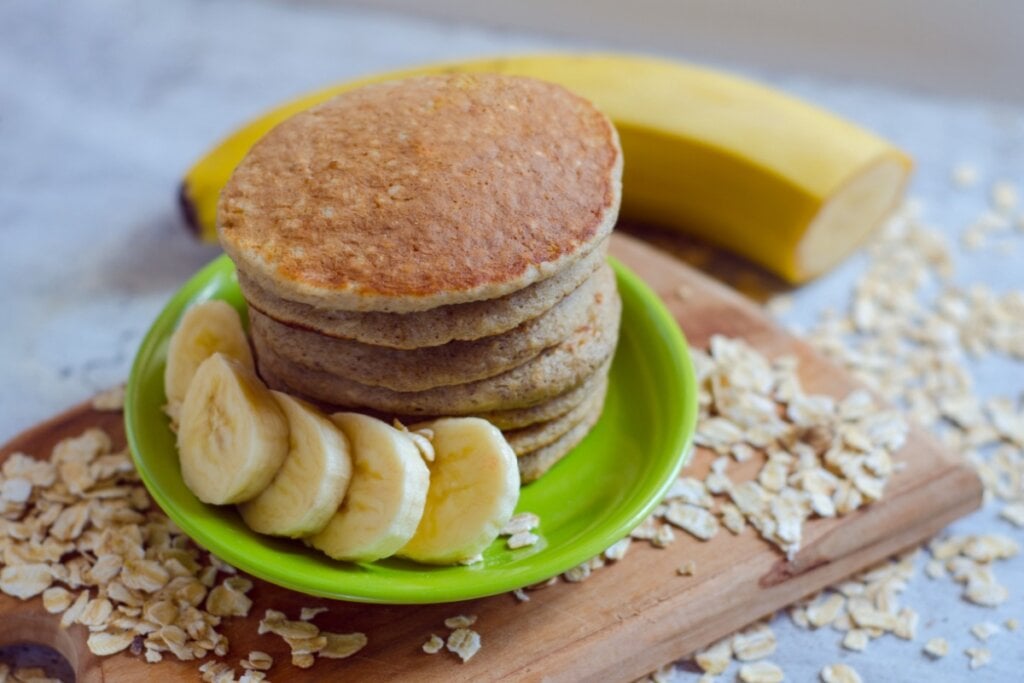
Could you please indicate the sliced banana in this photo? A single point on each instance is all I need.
(385, 496)
(311, 483)
(205, 329)
(474, 488)
(232, 437)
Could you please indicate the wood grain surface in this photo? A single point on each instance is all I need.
(626, 619)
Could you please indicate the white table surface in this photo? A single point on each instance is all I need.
(104, 104)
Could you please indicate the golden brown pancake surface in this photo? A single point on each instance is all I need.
(407, 195)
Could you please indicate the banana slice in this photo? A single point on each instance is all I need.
(474, 488)
(311, 483)
(205, 329)
(385, 497)
(233, 437)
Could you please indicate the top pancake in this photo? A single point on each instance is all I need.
(408, 195)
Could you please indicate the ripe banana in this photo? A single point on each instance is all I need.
(205, 329)
(310, 485)
(783, 183)
(232, 437)
(385, 497)
(474, 488)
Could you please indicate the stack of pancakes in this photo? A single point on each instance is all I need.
(436, 247)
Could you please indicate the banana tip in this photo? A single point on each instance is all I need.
(188, 210)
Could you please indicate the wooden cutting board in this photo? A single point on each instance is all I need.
(628, 618)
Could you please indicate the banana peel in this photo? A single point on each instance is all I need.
(779, 181)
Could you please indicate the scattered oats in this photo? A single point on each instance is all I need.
(523, 539)
(56, 599)
(1011, 624)
(16, 490)
(691, 491)
(741, 452)
(839, 673)
(616, 551)
(936, 648)
(221, 565)
(433, 644)
(309, 613)
(984, 630)
(26, 580)
(695, 520)
(111, 400)
(96, 613)
(856, 639)
(798, 614)
(71, 614)
(756, 642)
(687, 568)
(663, 537)
(464, 642)
(521, 595)
(105, 569)
(867, 616)
(105, 643)
(238, 583)
(258, 660)
(732, 518)
(1014, 513)
(303, 661)
(823, 612)
(990, 547)
(716, 658)
(906, 626)
(222, 601)
(275, 622)
(935, 569)
(521, 523)
(986, 593)
(965, 176)
(761, 672)
(252, 676)
(980, 656)
(460, 621)
(1004, 196)
(144, 575)
(469, 561)
(306, 646)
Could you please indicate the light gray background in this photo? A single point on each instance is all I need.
(104, 104)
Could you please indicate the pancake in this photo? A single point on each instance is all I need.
(436, 366)
(458, 322)
(542, 434)
(408, 195)
(551, 373)
(517, 418)
(532, 465)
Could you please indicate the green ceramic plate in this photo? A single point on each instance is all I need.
(592, 498)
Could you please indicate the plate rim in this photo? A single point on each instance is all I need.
(592, 545)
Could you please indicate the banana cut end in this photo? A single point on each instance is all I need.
(847, 218)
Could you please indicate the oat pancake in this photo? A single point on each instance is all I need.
(436, 366)
(532, 465)
(543, 434)
(407, 195)
(517, 418)
(458, 322)
(551, 373)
